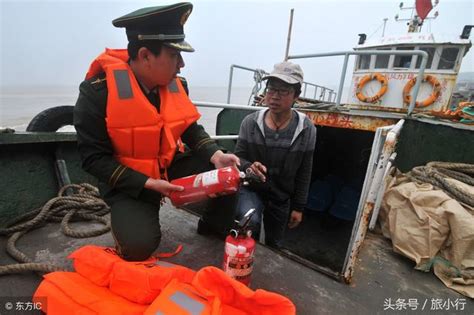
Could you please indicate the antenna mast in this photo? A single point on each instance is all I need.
(289, 35)
(415, 22)
(384, 24)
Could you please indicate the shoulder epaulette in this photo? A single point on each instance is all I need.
(98, 82)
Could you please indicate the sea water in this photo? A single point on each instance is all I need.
(18, 105)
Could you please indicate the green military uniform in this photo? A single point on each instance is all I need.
(135, 209)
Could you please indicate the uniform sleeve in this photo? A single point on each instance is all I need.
(94, 145)
(303, 176)
(200, 142)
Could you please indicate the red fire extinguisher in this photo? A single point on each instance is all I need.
(218, 182)
(239, 251)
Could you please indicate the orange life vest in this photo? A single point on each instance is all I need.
(137, 281)
(213, 283)
(69, 293)
(143, 139)
(212, 292)
(130, 286)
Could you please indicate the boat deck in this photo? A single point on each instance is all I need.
(380, 274)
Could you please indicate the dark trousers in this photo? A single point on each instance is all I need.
(136, 222)
(275, 216)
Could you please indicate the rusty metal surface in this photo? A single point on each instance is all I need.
(359, 239)
(339, 120)
(373, 193)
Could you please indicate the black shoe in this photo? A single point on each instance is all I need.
(204, 228)
(207, 229)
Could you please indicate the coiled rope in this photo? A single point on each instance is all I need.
(73, 203)
(437, 173)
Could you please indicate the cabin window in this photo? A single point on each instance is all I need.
(403, 61)
(364, 62)
(381, 61)
(448, 57)
(430, 51)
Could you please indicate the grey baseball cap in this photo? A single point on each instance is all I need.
(288, 72)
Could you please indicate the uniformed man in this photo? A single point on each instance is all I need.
(133, 116)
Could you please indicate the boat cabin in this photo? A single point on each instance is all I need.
(397, 72)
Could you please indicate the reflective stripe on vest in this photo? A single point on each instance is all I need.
(142, 138)
(179, 298)
(165, 264)
(124, 87)
(189, 304)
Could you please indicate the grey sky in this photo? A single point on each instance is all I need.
(53, 42)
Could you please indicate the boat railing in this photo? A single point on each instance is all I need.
(224, 106)
(346, 55)
(325, 94)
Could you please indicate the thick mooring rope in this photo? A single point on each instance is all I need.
(83, 204)
(436, 173)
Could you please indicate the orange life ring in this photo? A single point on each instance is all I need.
(369, 77)
(429, 100)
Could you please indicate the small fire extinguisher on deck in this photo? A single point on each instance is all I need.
(239, 250)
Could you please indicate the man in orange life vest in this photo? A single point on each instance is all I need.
(133, 116)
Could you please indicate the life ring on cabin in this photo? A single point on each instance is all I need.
(369, 77)
(430, 99)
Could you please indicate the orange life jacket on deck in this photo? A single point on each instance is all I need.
(137, 281)
(130, 286)
(143, 139)
(69, 293)
(212, 292)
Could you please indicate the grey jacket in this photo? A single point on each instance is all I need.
(291, 182)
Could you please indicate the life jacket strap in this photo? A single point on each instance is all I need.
(178, 249)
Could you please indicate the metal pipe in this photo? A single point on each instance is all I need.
(363, 52)
(244, 68)
(222, 105)
(225, 137)
(343, 76)
(231, 76)
(289, 35)
(378, 200)
(229, 88)
(416, 88)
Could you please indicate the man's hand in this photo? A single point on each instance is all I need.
(162, 186)
(295, 218)
(221, 159)
(260, 170)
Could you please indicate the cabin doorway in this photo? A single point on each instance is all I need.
(339, 168)
(340, 164)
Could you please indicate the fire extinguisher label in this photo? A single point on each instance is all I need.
(210, 178)
(197, 181)
(239, 268)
